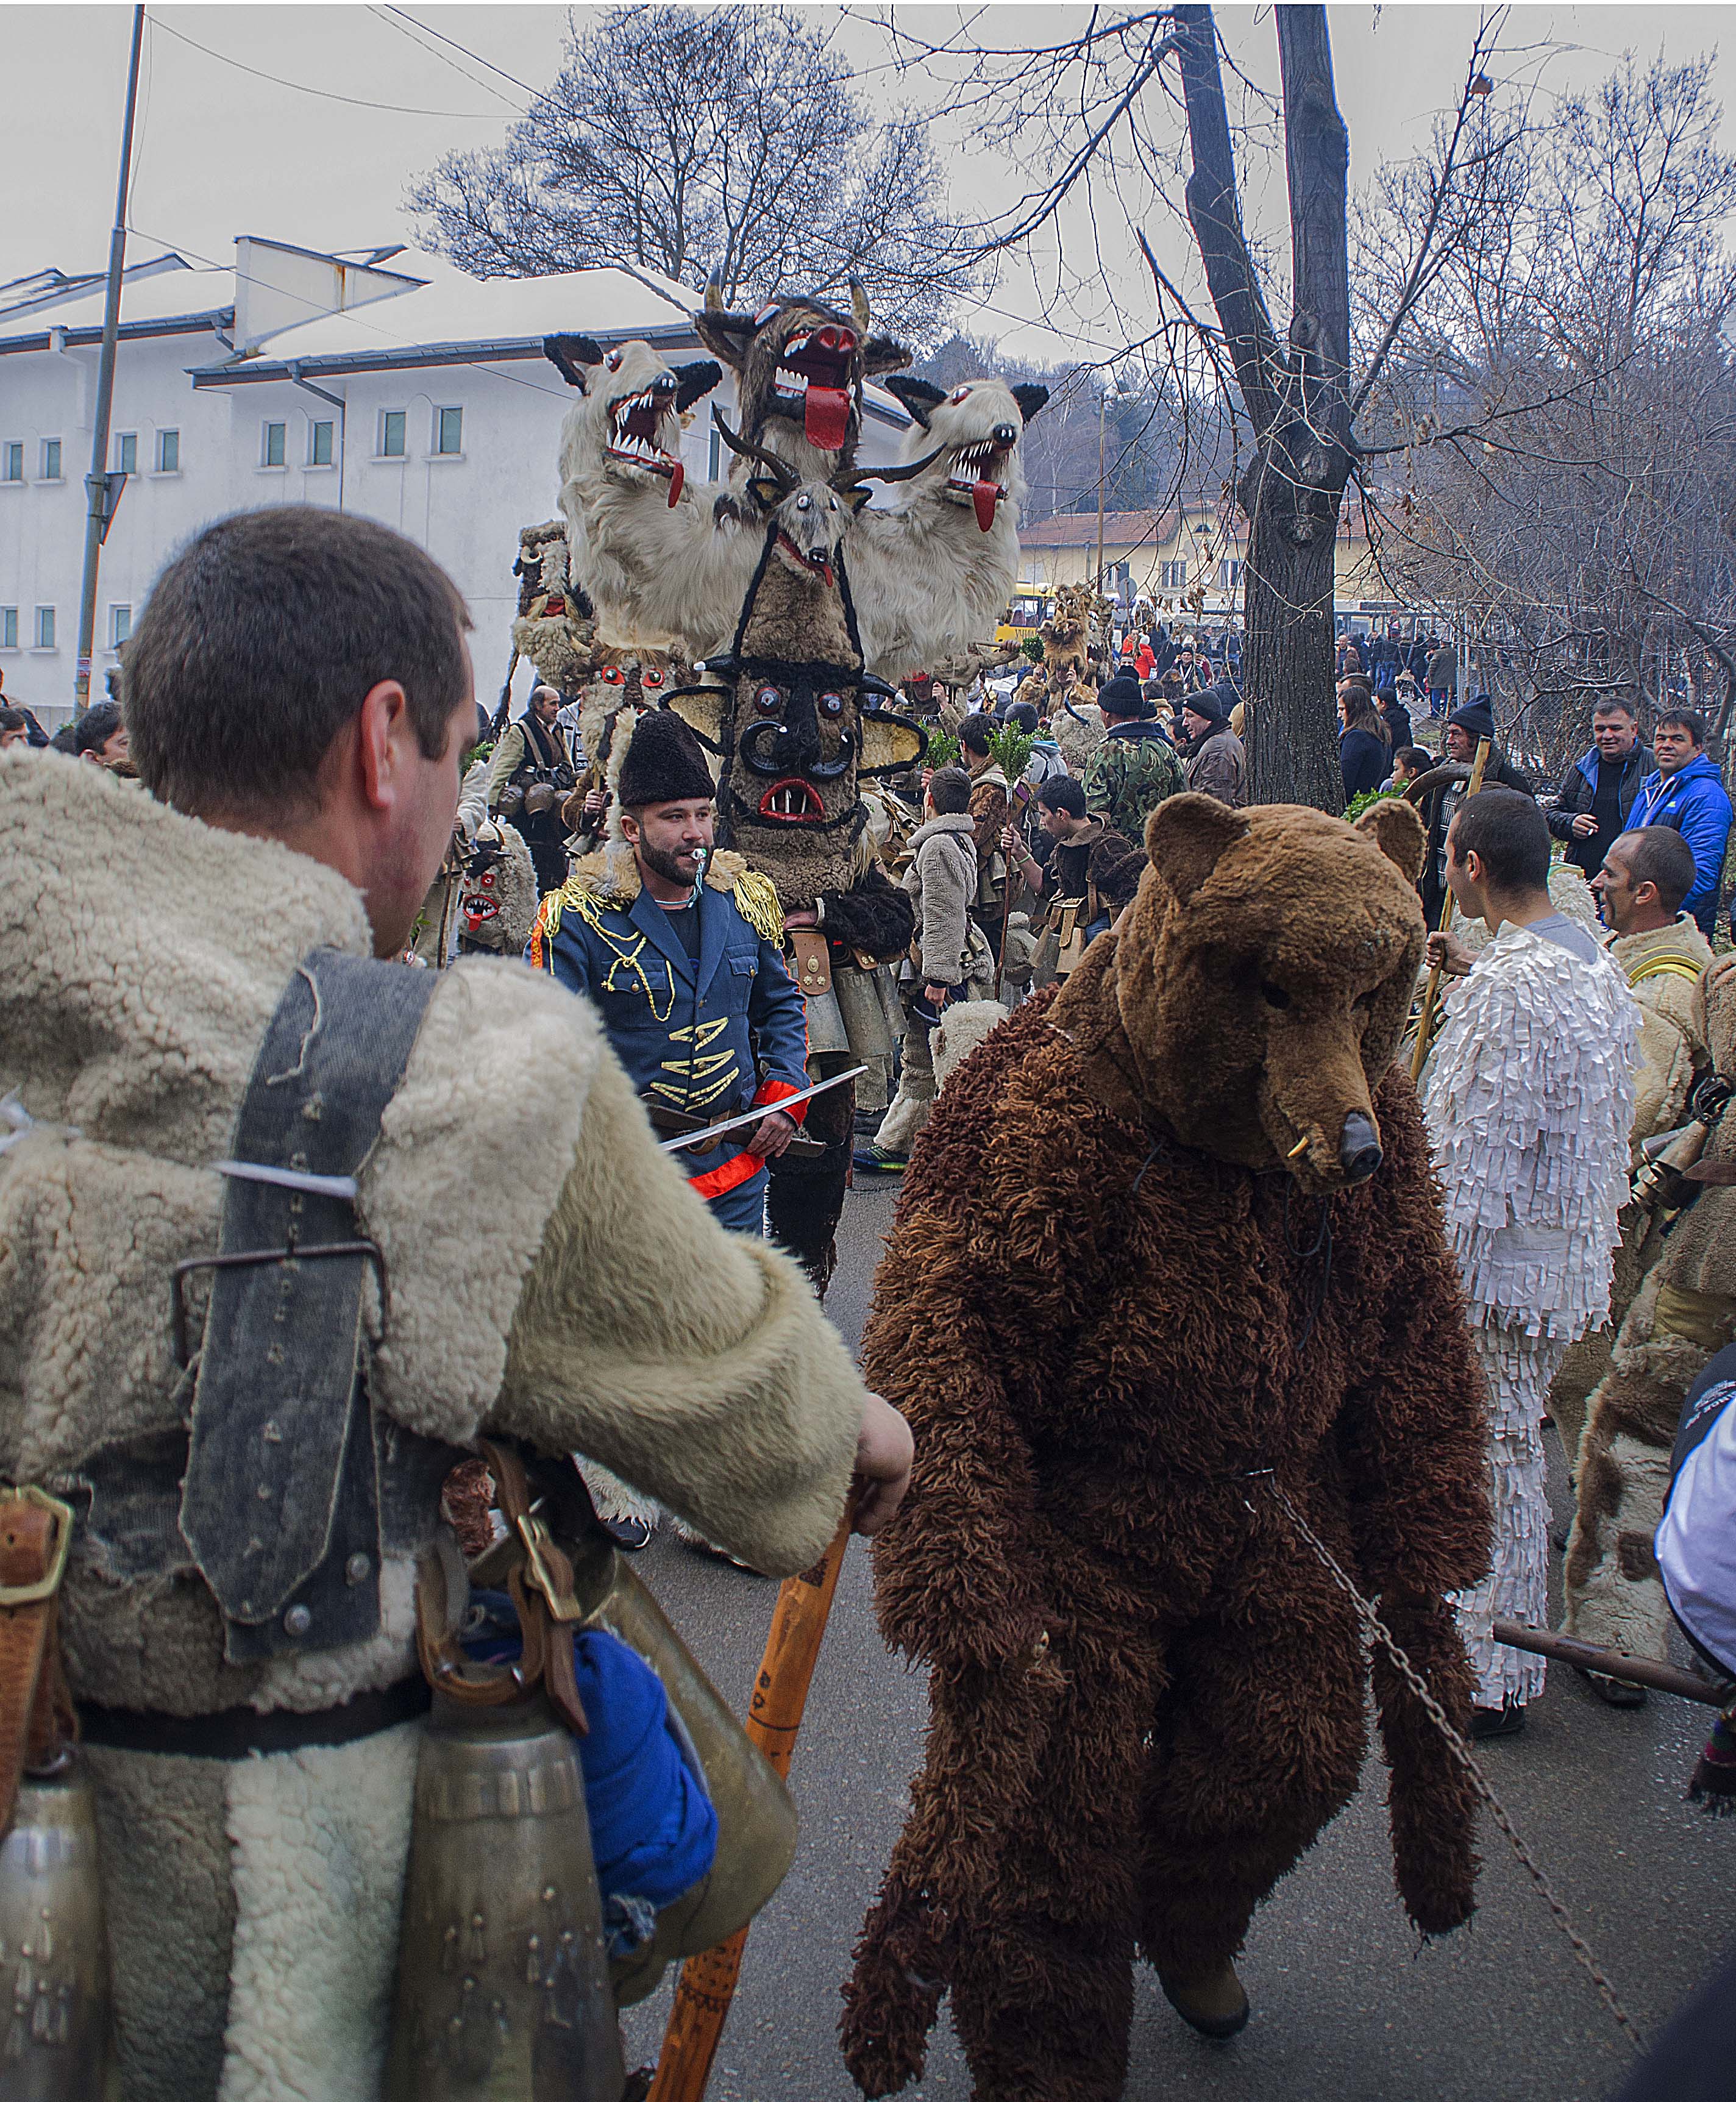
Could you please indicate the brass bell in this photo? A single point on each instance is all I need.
(54, 2002)
(502, 1990)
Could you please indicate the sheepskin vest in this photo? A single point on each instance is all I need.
(135, 990)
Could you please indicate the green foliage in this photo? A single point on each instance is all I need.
(943, 750)
(1358, 804)
(1011, 748)
(1032, 645)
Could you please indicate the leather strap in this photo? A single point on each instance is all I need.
(813, 960)
(237, 1733)
(35, 1709)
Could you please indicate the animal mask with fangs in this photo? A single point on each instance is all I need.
(644, 399)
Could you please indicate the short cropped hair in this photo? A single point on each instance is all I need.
(1688, 719)
(973, 734)
(1615, 704)
(1656, 854)
(92, 730)
(1060, 791)
(949, 792)
(13, 719)
(1509, 834)
(261, 640)
(1415, 759)
(1022, 716)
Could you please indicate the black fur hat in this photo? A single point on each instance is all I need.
(663, 763)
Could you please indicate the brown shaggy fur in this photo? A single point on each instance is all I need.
(1148, 1696)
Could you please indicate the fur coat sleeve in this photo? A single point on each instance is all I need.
(694, 1363)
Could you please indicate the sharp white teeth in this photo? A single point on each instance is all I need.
(790, 383)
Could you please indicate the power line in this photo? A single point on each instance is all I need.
(428, 28)
(394, 17)
(324, 94)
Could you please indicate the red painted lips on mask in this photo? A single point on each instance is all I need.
(985, 495)
(828, 416)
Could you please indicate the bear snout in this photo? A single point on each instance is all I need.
(1358, 1148)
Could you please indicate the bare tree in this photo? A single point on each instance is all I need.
(700, 141)
(1563, 408)
(1093, 107)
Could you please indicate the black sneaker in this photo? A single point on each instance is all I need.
(629, 1534)
(1503, 1721)
(876, 1160)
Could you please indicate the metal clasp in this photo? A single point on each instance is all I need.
(538, 1539)
(243, 1257)
(45, 1587)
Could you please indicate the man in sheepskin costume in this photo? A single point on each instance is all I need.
(1529, 1094)
(299, 696)
(1148, 1694)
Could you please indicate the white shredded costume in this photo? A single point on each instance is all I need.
(1528, 1099)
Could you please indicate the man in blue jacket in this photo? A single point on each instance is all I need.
(1687, 793)
(680, 948)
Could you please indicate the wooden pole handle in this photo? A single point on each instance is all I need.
(1432, 991)
(708, 1983)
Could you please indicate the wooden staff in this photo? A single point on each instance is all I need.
(1431, 991)
(1612, 1663)
(707, 1982)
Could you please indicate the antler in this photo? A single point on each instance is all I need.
(858, 474)
(714, 293)
(787, 476)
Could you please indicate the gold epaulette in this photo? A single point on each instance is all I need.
(1657, 967)
(756, 899)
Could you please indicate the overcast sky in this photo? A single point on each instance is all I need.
(222, 151)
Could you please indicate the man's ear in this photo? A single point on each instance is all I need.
(1186, 835)
(1397, 831)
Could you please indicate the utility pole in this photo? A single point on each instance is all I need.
(103, 488)
(1103, 399)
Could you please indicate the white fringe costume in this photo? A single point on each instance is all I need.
(1528, 1098)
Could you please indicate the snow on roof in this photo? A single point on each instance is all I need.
(166, 288)
(453, 307)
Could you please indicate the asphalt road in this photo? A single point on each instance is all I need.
(1348, 2007)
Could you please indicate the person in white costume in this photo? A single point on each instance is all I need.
(1527, 1097)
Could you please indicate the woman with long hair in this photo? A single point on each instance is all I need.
(1365, 744)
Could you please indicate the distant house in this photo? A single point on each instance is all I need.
(381, 381)
(1168, 556)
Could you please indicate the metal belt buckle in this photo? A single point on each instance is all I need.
(245, 1257)
(537, 1537)
(45, 1587)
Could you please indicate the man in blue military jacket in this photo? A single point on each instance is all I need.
(681, 949)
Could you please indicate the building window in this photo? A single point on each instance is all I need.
(319, 445)
(12, 461)
(449, 430)
(45, 628)
(51, 459)
(273, 451)
(8, 626)
(392, 434)
(715, 442)
(1230, 574)
(168, 452)
(1172, 576)
(127, 452)
(120, 625)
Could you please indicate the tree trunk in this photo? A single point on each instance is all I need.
(1296, 396)
(1287, 666)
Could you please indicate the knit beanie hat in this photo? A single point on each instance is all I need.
(1122, 697)
(1476, 719)
(1208, 703)
(664, 764)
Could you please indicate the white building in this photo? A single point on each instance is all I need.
(384, 382)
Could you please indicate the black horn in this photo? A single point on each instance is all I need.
(786, 476)
(857, 475)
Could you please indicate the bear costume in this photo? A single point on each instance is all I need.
(1169, 1244)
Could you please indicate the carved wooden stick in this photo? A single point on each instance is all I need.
(708, 1983)
(1431, 992)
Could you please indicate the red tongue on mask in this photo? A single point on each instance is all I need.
(828, 416)
(677, 476)
(985, 495)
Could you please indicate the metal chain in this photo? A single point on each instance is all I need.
(1378, 1630)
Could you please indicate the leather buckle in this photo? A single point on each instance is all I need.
(45, 1586)
(244, 1258)
(538, 1543)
